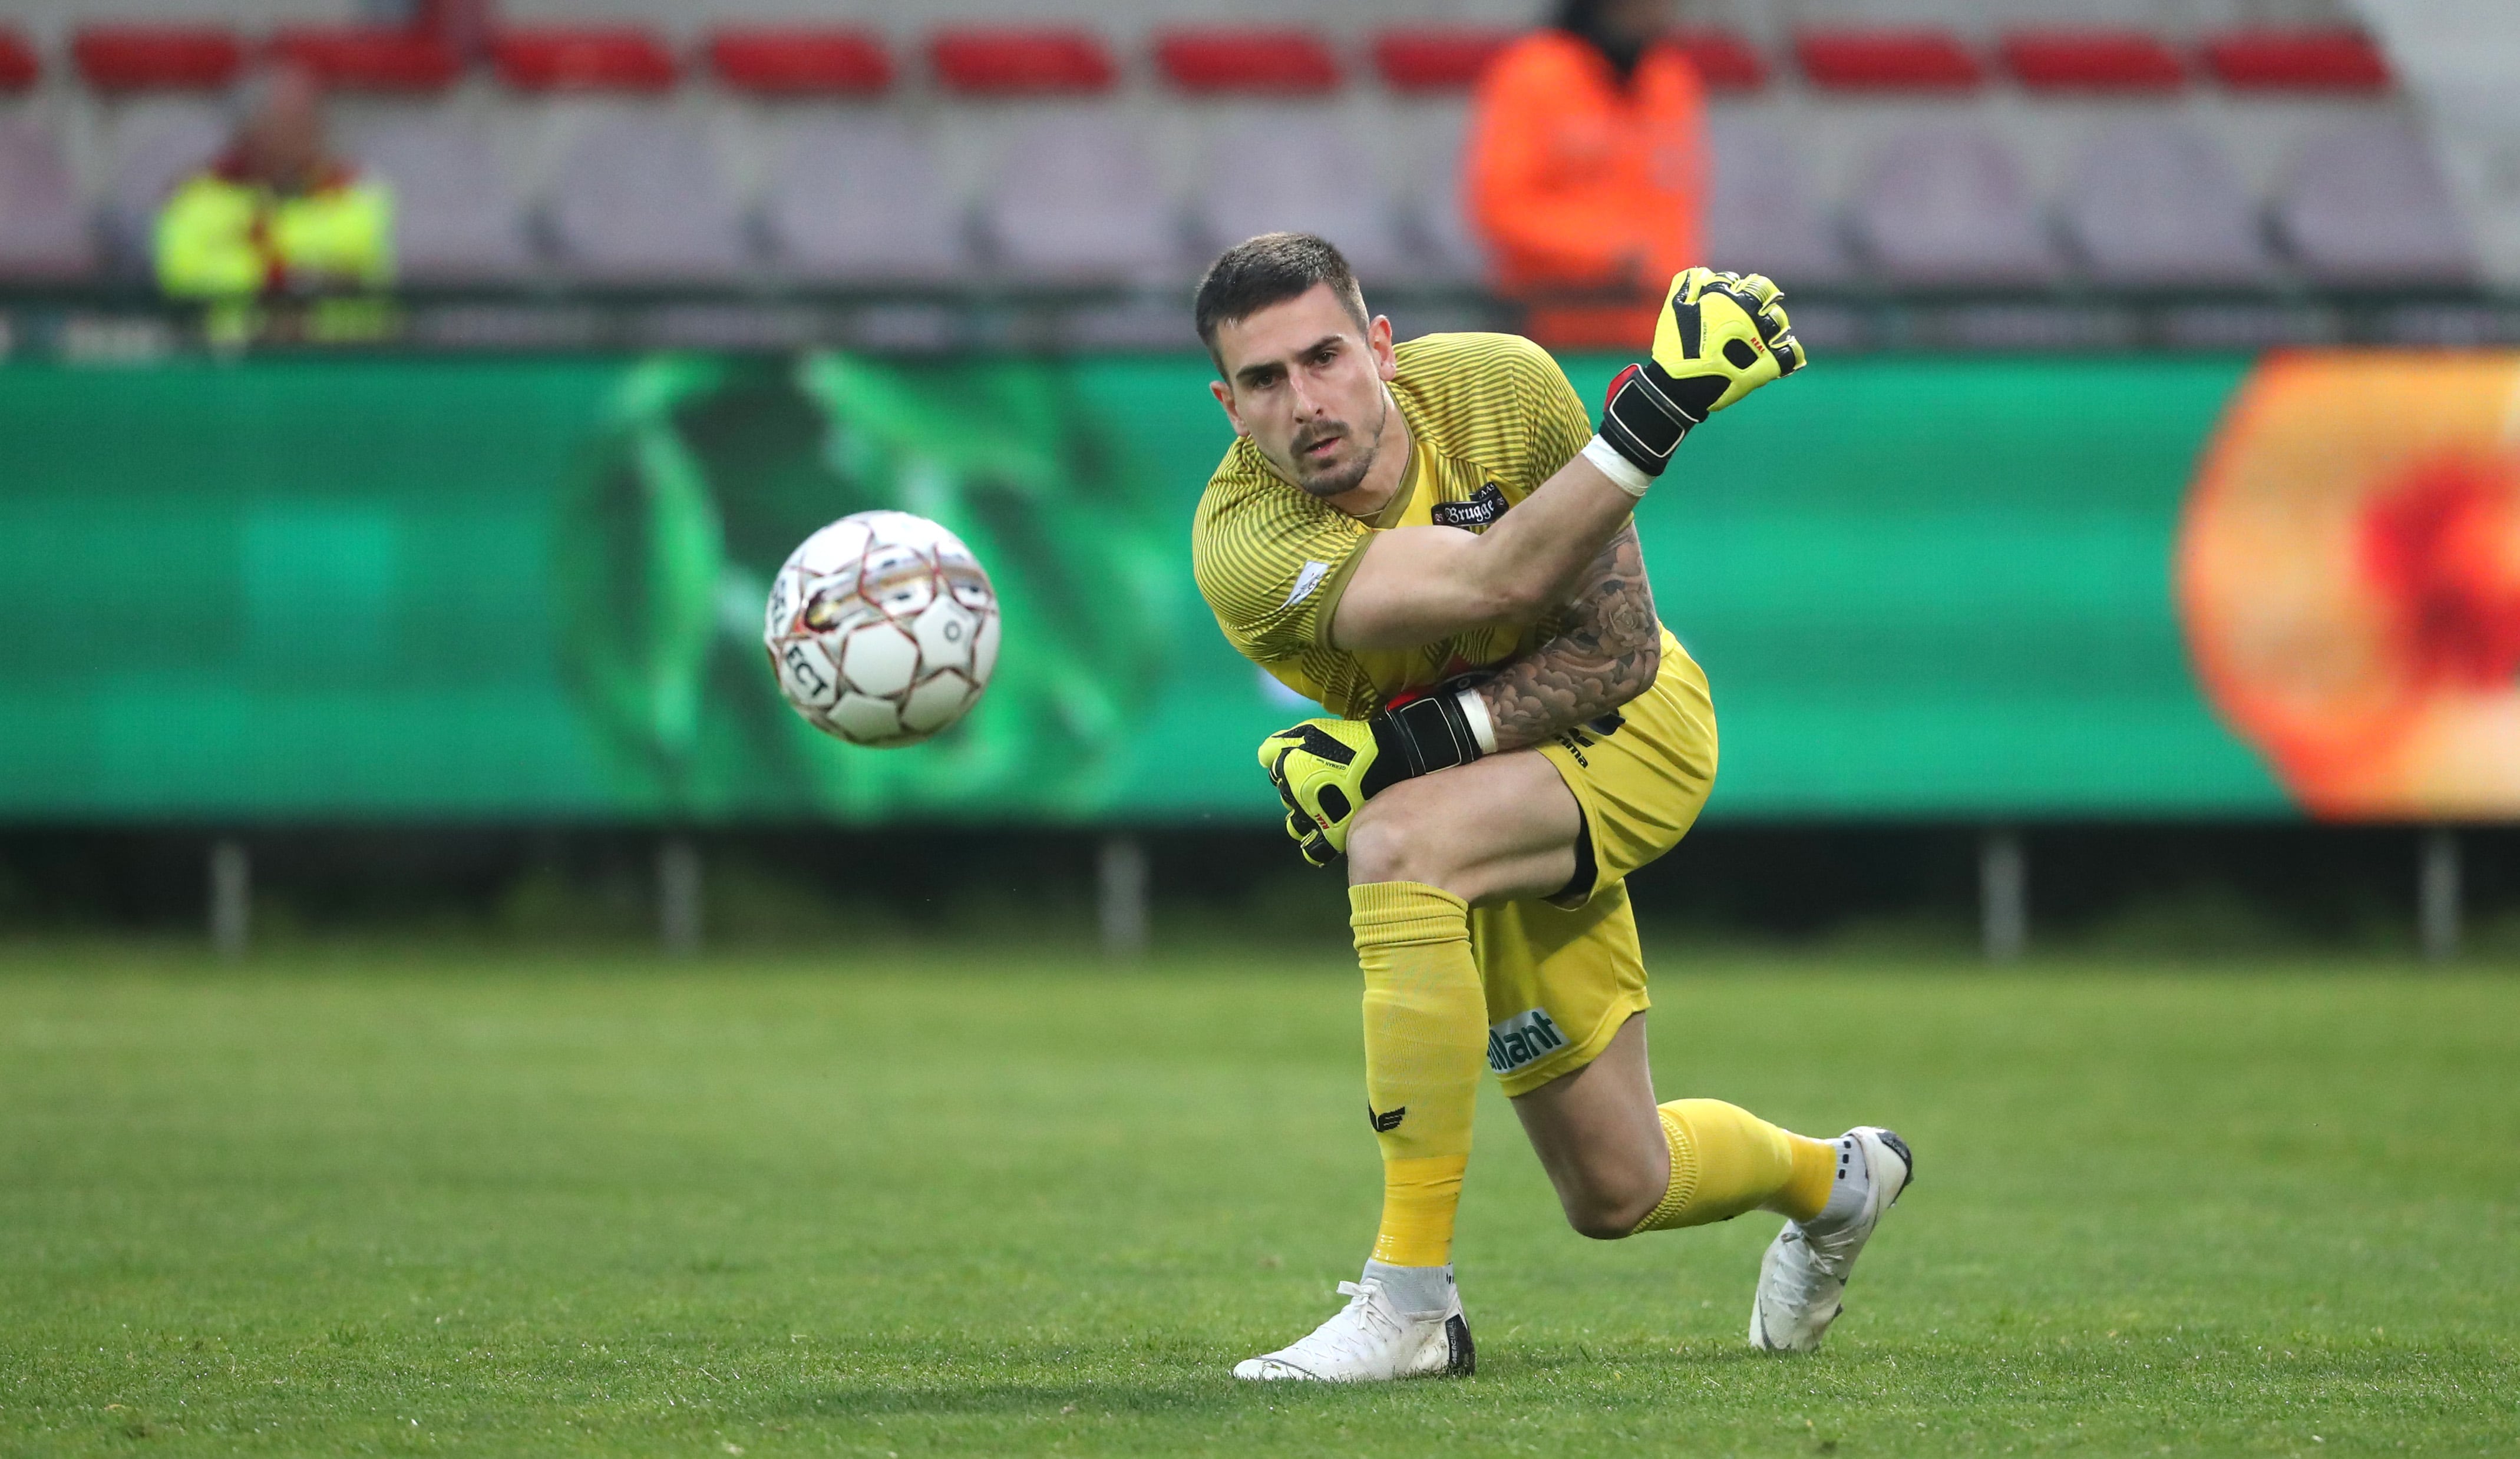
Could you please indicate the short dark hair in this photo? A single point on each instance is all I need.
(1266, 270)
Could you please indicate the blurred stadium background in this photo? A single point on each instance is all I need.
(2148, 544)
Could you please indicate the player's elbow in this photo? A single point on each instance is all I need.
(1515, 598)
(1649, 664)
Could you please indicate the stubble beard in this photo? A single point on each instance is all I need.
(1339, 481)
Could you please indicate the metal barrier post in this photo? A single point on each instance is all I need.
(1121, 895)
(678, 897)
(231, 898)
(2004, 893)
(2437, 895)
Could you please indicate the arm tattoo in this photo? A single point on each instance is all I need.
(1606, 655)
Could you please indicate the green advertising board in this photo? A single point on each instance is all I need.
(396, 589)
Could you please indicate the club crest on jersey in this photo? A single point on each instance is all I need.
(1476, 514)
(1522, 1039)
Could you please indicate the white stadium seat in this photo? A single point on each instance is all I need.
(1298, 169)
(639, 199)
(44, 232)
(1076, 200)
(1947, 204)
(2151, 203)
(1760, 213)
(854, 198)
(456, 220)
(2368, 203)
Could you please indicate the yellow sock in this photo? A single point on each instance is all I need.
(1726, 1160)
(1425, 1040)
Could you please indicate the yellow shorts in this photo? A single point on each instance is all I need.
(1564, 973)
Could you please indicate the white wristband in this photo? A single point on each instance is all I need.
(1622, 471)
(1482, 724)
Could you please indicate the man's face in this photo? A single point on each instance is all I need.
(1305, 383)
(284, 138)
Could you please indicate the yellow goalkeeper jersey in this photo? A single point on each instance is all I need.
(1491, 417)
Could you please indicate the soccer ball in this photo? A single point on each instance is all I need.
(882, 629)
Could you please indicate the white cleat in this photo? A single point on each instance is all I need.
(1370, 1341)
(1802, 1279)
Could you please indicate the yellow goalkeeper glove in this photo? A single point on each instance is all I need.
(1327, 769)
(1720, 338)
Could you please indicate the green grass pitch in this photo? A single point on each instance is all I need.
(970, 1201)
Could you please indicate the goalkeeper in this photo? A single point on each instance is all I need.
(1431, 541)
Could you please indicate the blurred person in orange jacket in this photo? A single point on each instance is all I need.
(1587, 169)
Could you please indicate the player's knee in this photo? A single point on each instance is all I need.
(1606, 1202)
(1599, 1224)
(1607, 1217)
(1396, 839)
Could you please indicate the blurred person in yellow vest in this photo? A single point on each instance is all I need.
(1587, 169)
(278, 216)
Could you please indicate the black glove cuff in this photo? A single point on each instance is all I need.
(1426, 735)
(1646, 415)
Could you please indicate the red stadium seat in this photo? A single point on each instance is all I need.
(18, 66)
(801, 60)
(2297, 61)
(2111, 60)
(1431, 59)
(158, 58)
(1008, 61)
(371, 59)
(1724, 61)
(1888, 61)
(591, 57)
(1248, 61)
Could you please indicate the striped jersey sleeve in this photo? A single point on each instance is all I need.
(1558, 424)
(1270, 560)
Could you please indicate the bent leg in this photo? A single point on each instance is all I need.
(1600, 1139)
(1622, 1165)
(1493, 830)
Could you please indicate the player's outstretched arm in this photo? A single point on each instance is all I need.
(1722, 336)
(1607, 654)
(1415, 585)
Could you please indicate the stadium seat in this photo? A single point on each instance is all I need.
(1285, 171)
(1436, 58)
(371, 59)
(2308, 61)
(456, 219)
(157, 142)
(2368, 203)
(592, 58)
(1760, 213)
(1437, 227)
(2151, 203)
(43, 225)
(639, 199)
(1247, 62)
(2125, 62)
(1010, 62)
(1076, 200)
(801, 60)
(156, 57)
(855, 199)
(1724, 61)
(1927, 60)
(20, 67)
(1946, 205)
